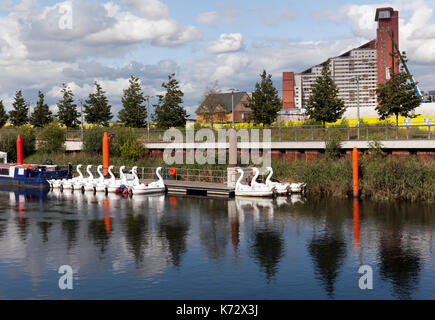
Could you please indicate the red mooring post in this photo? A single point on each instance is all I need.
(105, 153)
(355, 172)
(19, 150)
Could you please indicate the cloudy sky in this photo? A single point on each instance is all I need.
(44, 43)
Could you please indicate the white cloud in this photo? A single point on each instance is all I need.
(150, 9)
(209, 18)
(228, 42)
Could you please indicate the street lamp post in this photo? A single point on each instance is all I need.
(148, 115)
(232, 104)
(81, 113)
(357, 105)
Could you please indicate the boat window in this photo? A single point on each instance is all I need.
(4, 171)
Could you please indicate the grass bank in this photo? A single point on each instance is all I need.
(408, 179)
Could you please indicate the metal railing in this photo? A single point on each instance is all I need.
(184, 174)
(319, 133)
(297, 133)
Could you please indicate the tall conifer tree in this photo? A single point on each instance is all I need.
(96, 108)
(41, 114)
(168, 111)
(324, 104)
(19, 115)
(265, 102)
(134, 111)
(67, 110)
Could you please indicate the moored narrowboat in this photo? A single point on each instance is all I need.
(31, 175)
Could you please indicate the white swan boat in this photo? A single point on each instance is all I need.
(254, 190)
(281, 188)
(102, 183)
(114, 184)
(90, 182)
(141, 188)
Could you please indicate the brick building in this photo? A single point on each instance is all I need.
(372, 63)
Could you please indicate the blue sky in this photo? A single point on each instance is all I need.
(201, 41)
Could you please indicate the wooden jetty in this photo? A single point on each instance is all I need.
(197, 188)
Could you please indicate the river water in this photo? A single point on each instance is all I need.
(168, 247)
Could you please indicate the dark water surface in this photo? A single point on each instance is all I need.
(165, 247)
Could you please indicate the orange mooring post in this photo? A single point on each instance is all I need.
(19, 150)
(105, 153)
(355, 171)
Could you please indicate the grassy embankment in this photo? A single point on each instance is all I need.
(407, 179)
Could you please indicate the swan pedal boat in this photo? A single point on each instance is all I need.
(255, 190)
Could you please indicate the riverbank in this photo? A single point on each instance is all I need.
(409, 179)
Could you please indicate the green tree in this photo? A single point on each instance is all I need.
(168, 112)
(397, 96)
(19, 115)
(324, 105)
(265, 102)
(67, 110)
(41, 114)
(96, 108)
(3, 115)
(134, 112)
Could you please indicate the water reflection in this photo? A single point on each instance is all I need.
(173, 227)
(288, 247)
(267, 243)
(214, 230)
(135, 227)
(327, 246)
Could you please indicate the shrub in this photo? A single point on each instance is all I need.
(121, 136)
(28, 137)
(8, 140)
(333, 144)
(51, 139)
(131, 150)
(93, 139)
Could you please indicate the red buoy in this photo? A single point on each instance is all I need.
(19, 150)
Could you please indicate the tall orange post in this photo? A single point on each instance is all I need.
(105, 153)
(19, 150)
(355, 172)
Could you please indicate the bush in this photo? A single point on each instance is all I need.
(51, 139)
(93, 139)
(121, 136)
(8, 141)
(333, 145)
(131, 150)
(28, 137)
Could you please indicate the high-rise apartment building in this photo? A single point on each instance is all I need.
(356, 72)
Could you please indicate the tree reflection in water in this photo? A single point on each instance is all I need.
(268, 244)
(174, 228)
(268, 249)
(328, 252)
(97, 232)
(45, 227)
(214, 231)
(69, 230)
(136, 235)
